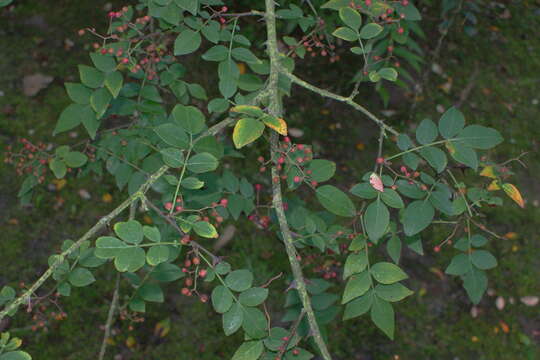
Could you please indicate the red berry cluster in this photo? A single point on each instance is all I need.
(29, 159)
(294, 155)
(315, 45)
(191, 269)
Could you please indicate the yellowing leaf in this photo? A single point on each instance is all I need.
(514, 194)
(494, 186)
(162, 328)
(241, 68)
(277, 124)
(246, 131)
(511, 236)
(106, 198)
(147, 219)
(488, 172)
(250, 110)
(59, 183)
(131, 342)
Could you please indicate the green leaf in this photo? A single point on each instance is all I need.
(245, 55)
(114, 82)
(228, 78)
(335, 201)
(382, 315)
(189, 5)
(346, 34)
(218, 105)
(197, 91)
(417, 216)
(483, 259)
(480, 137)
(250, 110)
(167, 272)
(80, 277)
(232, 319)
(255, 323)
(108, 247)
(91, 77)
(150, 292)
(222, 299)
(192, 183)
(75, 159)
(459, 265)
(393, 247)
(152, 233)
(104, 63)
(463, 154)
(451, 123)
(203, 162)
(392, 198)
(130, 231)
(239, 280)
(335, 4)
(392, 293)
(58, 167)
(426, 132)
(376, 220)
(15, 355)
(78, 93)
(100, 100)
(355, 263)
(173, 157)
(357, 286)
(250, 350)
(6, 294)
(350, 17)
(216, 53)
(173, 135)
(187, 42)
(205, 229)
(130, 259)
(435, 157)
(321, 170)
(246, 131)
(253, 297)
(190, 118)
(475, 283)
(370, 30)
(72, 116)
(358, 306)
(157, 255)
(387, 273)
(389, 74)
(364, 190)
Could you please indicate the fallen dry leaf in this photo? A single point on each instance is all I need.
(530, 300)
(32, 84)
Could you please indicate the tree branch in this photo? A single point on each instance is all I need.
(110, 317)
(331, 95)
(275, 108)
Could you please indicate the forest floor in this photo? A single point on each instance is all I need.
(493, 74)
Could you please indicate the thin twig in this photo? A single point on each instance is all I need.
(110, 318)
(292, 333)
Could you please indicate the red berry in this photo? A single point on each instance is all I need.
(437, 249)
(224, 202)
(168, 205)
(202, 273)
(380, 160)
(300, 147)
(103, 51)
(258, 187)
(125, 60)
(281, 160)
(287, 139)
(196, 261)
(179, 208)
(297, 179)
(186, 292)
(224, 9)
(400, 30)
(296, 352)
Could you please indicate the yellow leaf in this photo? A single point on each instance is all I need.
(360, 146)
(242, 68)
(494, 186)
(147, 219)
(107, 198)
(162, 328)
(277, 124)
(514, 194)
(488, 172)
(131, 342)
(59, 183)
(504, 326)
(511, 236)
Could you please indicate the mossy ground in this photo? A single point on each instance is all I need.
(435, 323)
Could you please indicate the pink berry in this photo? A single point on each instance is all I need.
(258, 187)
(224, 202)
(297, 179)
(202, 273)
(380, 160)
(168, 205)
